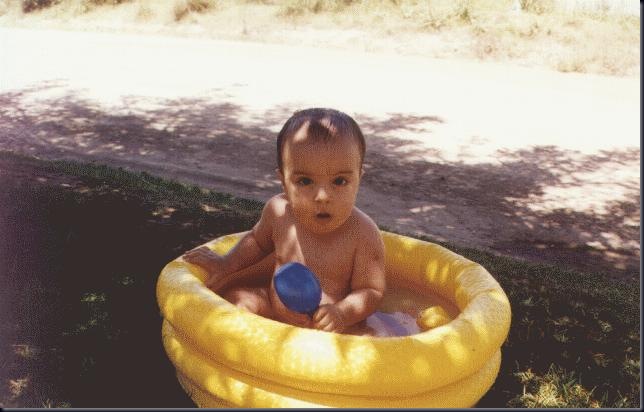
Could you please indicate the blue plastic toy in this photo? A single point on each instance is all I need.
(298, 288)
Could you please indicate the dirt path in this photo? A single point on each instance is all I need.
(523, 162)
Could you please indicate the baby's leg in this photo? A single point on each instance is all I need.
(254, 300)
(361, 329)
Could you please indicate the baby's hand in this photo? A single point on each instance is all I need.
(207, 259)
(329, 318)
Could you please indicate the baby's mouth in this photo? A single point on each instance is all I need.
(323, 216)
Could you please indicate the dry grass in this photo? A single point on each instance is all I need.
(540, 35)
(556, 389)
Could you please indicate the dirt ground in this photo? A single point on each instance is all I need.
(570, 203)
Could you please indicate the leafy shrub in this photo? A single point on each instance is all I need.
(184, 7)
(537, 6)
(301, 7)
(105, 2)
(34, 5)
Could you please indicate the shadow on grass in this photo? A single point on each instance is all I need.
(215, 144)
(80, 324)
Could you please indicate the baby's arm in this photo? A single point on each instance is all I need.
(255, 245)
(367, 287)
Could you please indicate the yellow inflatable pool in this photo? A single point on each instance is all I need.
(225, 356)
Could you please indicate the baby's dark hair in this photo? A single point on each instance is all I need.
(323, 124)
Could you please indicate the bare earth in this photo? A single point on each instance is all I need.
(529, 163)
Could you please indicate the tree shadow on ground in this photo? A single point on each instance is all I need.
(81, 326)
(497, 200)
(80, 323)
(487, 205)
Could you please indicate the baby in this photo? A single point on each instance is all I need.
(314, 222)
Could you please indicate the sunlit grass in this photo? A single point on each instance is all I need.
(558, 388)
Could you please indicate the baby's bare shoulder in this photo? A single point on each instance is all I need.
(276, 205)
(369, 258)
(367, 229)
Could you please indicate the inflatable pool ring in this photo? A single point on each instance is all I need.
(226, 356)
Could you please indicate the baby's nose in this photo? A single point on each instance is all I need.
(322, 194)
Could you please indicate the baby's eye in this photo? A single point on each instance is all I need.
(304, 181)
(340, 181)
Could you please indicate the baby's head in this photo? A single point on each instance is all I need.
(319, 157)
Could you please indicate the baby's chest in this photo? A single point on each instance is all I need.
(327, 260)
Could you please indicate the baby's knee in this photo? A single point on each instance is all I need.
(256, 306)
(249, 305)
(248, 300)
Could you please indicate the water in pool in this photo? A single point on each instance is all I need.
(398, 310)
(397, 313)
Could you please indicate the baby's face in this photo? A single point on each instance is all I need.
(321, 180)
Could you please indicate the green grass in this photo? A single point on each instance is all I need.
(84, 327)
(574, 340)
(155, 189)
